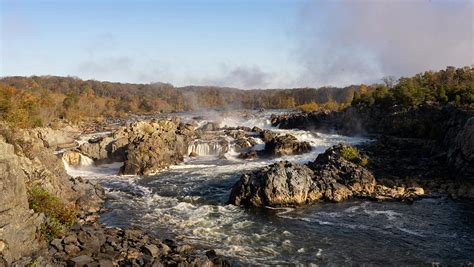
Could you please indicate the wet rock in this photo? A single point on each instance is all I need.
(210, 126)
(252, 154)
(286, 145)
(242, 144)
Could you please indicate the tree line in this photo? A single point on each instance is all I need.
(39, 100)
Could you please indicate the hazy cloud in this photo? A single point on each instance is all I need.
(244, 77)
(107, 67)
(343, 42)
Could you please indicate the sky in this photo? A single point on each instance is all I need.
(235, 43)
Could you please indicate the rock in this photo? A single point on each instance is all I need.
(193, 154)
(65, 137)
(210, 126)
(57, 243)
(152, 146)
(461, 152)
(286, 145)
(18, 225)
(151, 250)
(211, 254)
(252, 154)
(80, 261)
(242, 144)
(71, 249)
(184, 249)
(336, 178)
(280, 184)
(105, 263)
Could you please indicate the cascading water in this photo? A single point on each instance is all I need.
(208, 148)
(86, 161)
(188, 202)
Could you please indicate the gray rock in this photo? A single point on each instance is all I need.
(151, 250)
(80, 261)
(57, 244)
(71, 249)
(280, 184)
(286, 145)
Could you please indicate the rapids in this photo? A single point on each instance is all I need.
(188, 202)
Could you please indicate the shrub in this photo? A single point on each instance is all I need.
(351, 154)
(59, 215)
(309, 107)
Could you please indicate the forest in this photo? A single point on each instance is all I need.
(39, 100)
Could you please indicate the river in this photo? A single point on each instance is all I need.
(188, 202)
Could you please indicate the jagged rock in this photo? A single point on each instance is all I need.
(331, 177)
(65, 137)
(336, 178)
(19, 224)
(285, 145)
(80, 261)
(242, 144)
(280, 184)
(152, 146)
(151, 250)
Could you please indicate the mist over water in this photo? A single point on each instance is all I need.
(188, 202)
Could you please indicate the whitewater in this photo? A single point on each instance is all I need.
(188, 202)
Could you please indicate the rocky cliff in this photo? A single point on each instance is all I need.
(27, 161)
(449, 127)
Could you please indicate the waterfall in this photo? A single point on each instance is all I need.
(86, 161)
(206, 148)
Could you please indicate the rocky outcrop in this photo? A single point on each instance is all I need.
(145, 147)
(25, 163)
(152, 146)
(331, 177)
(448, 128)
(58, 138)
(286, 145)
(337, 178)
(280, 184)
(18, 224)
(461, 152)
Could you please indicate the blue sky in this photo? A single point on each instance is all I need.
(246, 44)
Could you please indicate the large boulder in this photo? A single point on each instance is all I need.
(286, 145)
(280, 184)
(338, 177)
(153, 146)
